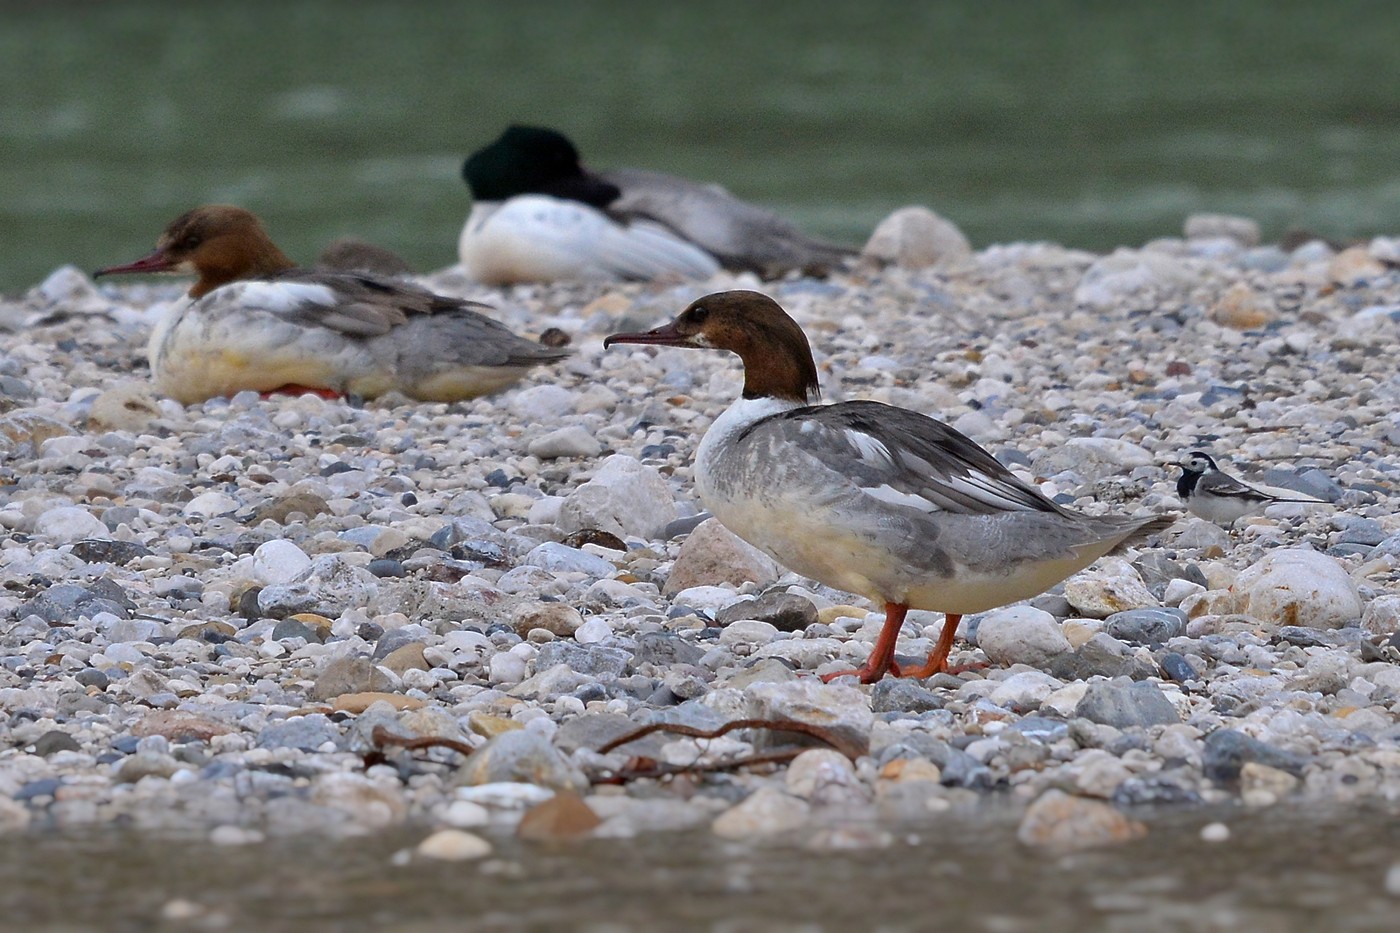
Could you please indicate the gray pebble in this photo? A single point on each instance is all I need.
(893, 695)
(92, 677)
(787, 612)
(1124, 704)
(1151, 627)
(291, 628)
(1228, 750)
(666, 650)
(386, 567)
(307, 733)
(1176, 667)
(592, 660)
(55, 741)
(1101, 655)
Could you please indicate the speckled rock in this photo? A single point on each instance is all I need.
(768, 811)
(712, 554)
(1382, 616)
(786, 612)
(1021, 635)
(1243, 230)
(1124, 704)
(843, 710)
(1111, 585)
(572, 441)
(1146, 626)
(559, 619)
(914, 238)
(453, 845)
(1061, 822)
(624, 498)
(1227, 751)
(348, 675)
(1293, 586)
(522, 756)
(67, 524)
(1242, 308)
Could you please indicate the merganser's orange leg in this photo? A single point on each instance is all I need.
(938, 658)
(937, 662)
(881, 660)
(293, 388)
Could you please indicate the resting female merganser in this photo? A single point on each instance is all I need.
(1210, 493)
(540, 216)
(870, 498)
(253, 320)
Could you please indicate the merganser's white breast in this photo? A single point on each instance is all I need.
(537, 238)
(245, 336)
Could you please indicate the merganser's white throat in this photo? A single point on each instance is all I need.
(719, 440)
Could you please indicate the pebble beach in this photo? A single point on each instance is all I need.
(208, 612)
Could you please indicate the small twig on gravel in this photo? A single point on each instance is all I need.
(638, 768)
(837, 742)
(383, 737)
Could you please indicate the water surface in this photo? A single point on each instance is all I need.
(1280, 872)
(1090, 123)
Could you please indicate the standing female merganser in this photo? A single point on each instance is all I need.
(1210, 493)
(253, 320)
(540, 216)
(870, 498)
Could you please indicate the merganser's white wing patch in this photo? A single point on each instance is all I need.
(900, 458)
(286, 297)
(888, 494)
(869, 449)
(541, 238)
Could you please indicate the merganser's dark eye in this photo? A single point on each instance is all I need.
(698, 315)
(190, 242)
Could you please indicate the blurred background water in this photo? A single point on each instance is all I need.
(1090, 123)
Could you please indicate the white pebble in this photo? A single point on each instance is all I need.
(279, 562)
(594, 630)
(507, 668)
(228, 835)
(465, 814)
(70, 523)
(1215, 832)
(454, 845)
(1392, 880)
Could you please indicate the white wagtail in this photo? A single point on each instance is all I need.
(1216, 496)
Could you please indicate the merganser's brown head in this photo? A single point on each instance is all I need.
(777, 358)
(218, 242)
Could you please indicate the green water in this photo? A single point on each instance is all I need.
(1091, 123)
(1280, 872)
